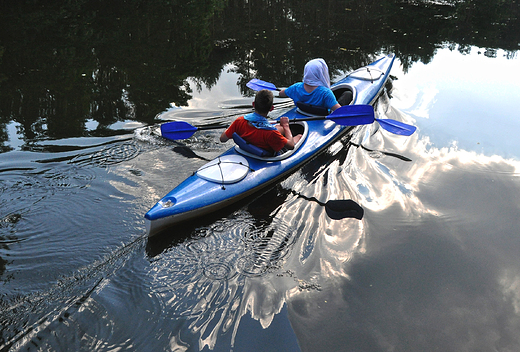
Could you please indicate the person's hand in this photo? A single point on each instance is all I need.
(284, 121)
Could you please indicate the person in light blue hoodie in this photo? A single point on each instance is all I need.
(315, 88)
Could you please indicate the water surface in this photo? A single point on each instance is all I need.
(431, 265)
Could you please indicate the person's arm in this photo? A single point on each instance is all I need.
(284, 122)
(282, 94)
(335, 107)
(223, 137)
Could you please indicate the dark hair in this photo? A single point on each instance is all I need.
(263, 101)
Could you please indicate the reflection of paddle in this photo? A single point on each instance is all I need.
(392, 126)
(348, 115)
(404, 158)
(338, 209)
(187, 152)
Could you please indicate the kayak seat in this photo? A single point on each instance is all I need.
(250, 148)
(345, 93)
(345, 98)
(312, 109)
(297, 127)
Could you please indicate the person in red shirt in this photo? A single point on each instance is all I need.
(254, 128)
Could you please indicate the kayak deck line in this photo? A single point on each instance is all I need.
(225, 169)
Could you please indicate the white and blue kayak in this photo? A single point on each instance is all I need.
(240, 171)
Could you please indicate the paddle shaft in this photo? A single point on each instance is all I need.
(205, 128)
(295, 119)
(349, 115)
(208, 128)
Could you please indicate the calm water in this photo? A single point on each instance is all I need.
(432, 266)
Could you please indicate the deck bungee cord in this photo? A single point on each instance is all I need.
(219, 162)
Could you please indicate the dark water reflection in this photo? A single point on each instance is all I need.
(432, 263)
(74, 70)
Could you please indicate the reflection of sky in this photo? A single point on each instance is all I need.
(222, 100)
(466, 100)
(439, 265)
(225, 91)
(14, 141)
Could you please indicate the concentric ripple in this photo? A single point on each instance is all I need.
(218, 271)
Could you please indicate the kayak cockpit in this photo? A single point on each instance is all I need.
(345, 95)
(297, 127)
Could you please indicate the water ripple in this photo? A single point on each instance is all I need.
(57, 305)
(204, 278)
(111, 155)
(218, 270)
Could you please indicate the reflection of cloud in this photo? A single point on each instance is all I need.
(418, 101)
(510, 284)
(404, 298)
(440, 262)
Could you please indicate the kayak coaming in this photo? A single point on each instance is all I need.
(285, 155)
(195, 196)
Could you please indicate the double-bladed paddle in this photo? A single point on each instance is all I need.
(392, 126)
(257, 84)
(348, 115)
(396, 127)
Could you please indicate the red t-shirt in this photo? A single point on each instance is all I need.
(270, 140)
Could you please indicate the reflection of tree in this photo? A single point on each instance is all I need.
(486, 23)
(64, 63)
(275, 41)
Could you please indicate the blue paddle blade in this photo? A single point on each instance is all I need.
(396, 127)
(177, 130)
(353, 115)
(257, 84)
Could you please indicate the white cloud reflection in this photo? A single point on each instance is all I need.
(440, 263)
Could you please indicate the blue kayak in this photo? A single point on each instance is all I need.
(238, 172)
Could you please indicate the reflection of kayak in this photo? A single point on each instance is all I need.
(238, 173)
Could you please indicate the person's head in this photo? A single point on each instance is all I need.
(316, 73)
(263, 102)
